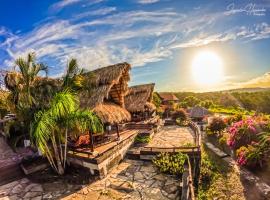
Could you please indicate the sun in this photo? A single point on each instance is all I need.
(207, 68)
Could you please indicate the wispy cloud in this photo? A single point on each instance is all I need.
(261, 81)
(98, 12)
(147, 1)
(62, 4)
(138, 37)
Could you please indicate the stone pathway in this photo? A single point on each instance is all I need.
(7, 155)
(21, 189)
(131, 180)
(172, 136)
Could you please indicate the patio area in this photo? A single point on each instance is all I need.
(173, 136)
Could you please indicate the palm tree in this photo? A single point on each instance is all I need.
(29, 70)
(51, 127)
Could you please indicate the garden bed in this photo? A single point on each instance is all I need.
(74, 175)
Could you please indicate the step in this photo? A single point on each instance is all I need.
(10, 173)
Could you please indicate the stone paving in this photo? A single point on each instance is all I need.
(132, 180)
(21, 189)
(7, 155)
(172, 136)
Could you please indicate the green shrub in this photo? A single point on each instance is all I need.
(142, 139)
(172, 164)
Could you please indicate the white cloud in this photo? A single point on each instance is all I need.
(147, 1)
(98, 12)
(147, 36)
(63, 3)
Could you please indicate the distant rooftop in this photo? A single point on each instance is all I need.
(167, 96)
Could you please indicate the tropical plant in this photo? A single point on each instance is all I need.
(250, 155)
(29, 70)
(173, 164)
(52, 126)
(242, 133)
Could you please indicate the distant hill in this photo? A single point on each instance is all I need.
(247, 90)
(257, 99)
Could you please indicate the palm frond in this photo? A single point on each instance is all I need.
(85, 120)
(63, 104)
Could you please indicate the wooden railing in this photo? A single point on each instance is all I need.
(196, 129)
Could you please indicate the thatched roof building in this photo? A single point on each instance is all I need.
(107, 97)
(139, 98)
(198, 112)
(109, 85)
(167, 97)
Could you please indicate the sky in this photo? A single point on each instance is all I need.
(159, 38)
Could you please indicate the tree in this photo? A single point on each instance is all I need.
(206, 104)
(51, 127)
(156, 100)
(29, 70)
(191, 101)
(22, 89)
(180, 114)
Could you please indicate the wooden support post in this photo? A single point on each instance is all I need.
(117, 129)
(91, 141)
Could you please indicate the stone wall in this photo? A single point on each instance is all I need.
(103, 163)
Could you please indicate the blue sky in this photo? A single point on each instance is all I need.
(159, 38)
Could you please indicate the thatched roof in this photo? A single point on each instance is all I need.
(112, 113)
(108, 83)
(139, 98)
(198, 112)
(167, 96)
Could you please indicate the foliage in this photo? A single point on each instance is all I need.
(156, 100)
(4, 106)
(142, 139)
(217, 125)
(232, 119)
(188, 144)
(51, 127)
(242, 133)
(206, 104)
(179, 114)
(172, 164)
(191, 101)
(252, 155)
(208, 168)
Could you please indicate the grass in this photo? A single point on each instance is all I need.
(218, 180)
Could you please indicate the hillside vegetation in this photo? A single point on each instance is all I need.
(251, 101)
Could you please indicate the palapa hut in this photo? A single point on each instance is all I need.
(108, 87)
(198, 113)
(138, 101)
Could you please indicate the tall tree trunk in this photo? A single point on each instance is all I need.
(60, 169)
(65, 150)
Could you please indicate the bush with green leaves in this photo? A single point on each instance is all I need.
(142, 139)
(171, 163)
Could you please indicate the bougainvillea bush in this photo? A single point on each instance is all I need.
(242, 133)
(244, 139)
